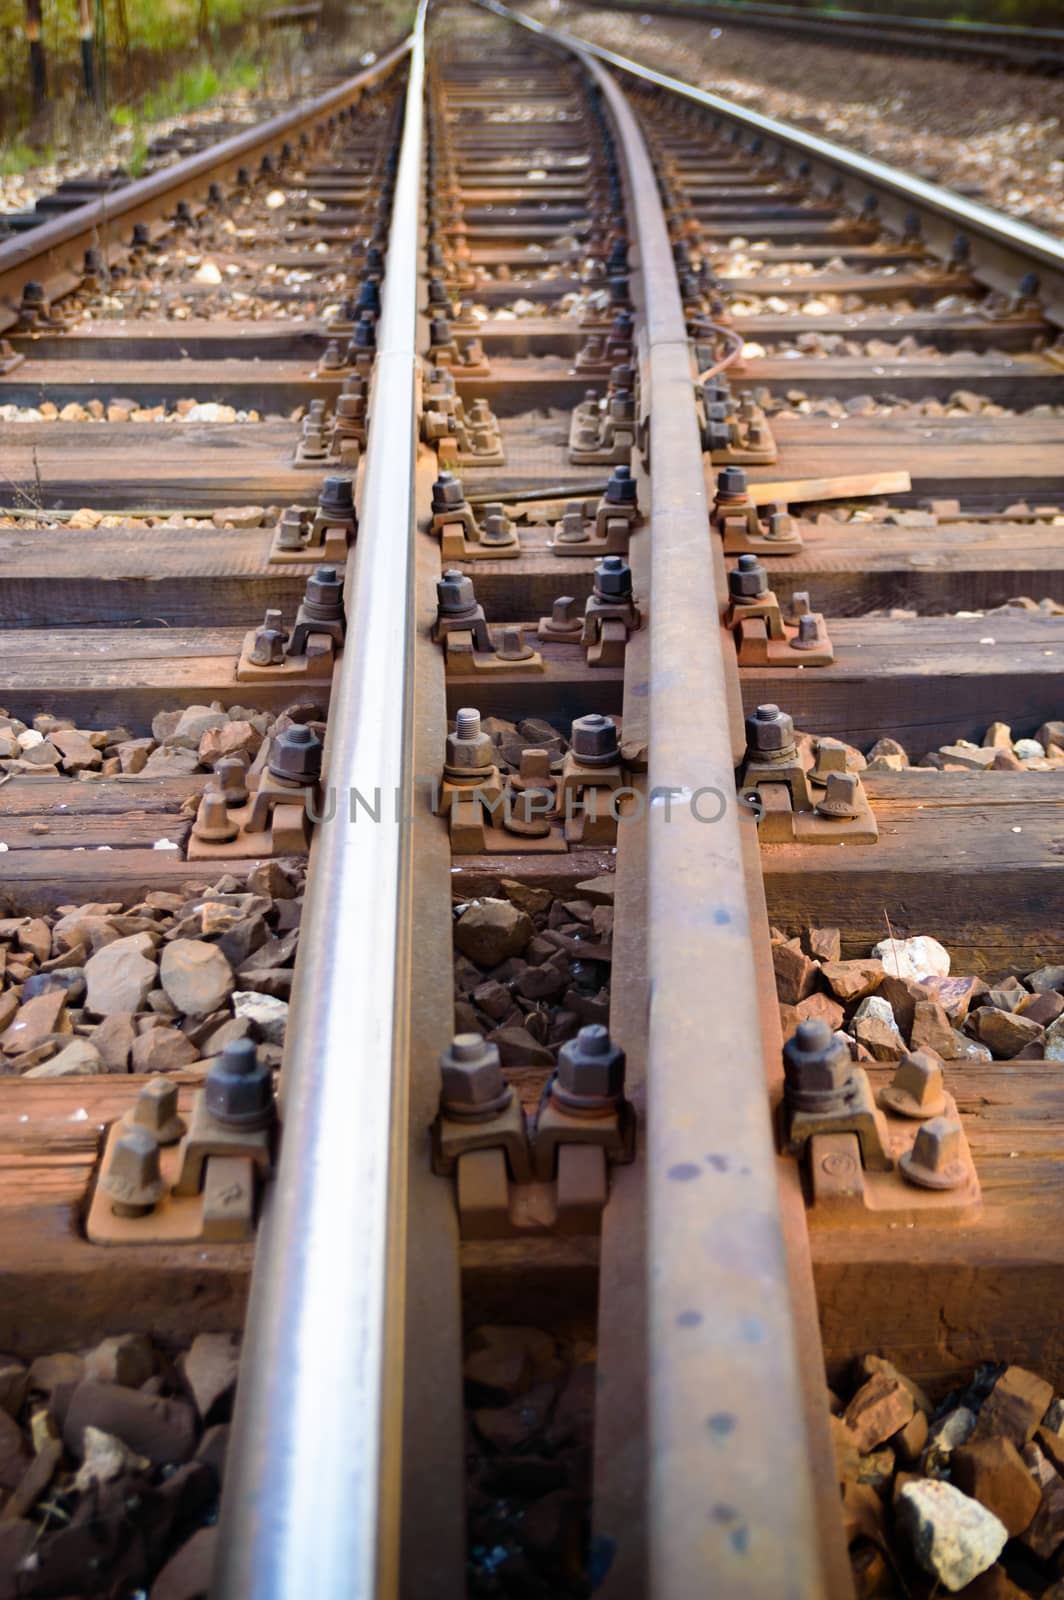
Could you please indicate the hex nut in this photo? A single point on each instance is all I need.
(337, 495)
(731, 483)
(594, 740)
(468, 749)
(471, 1079)
(591, 1066)
(133, 1177)
(620, 487)
(818, 1068)
(447, 492)
(455, 595)
(324, 594)
(239, 1091)
(748, 580)
(769, 731)
(296, 755)
(613, 578)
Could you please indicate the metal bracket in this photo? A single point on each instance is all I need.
(765, 638)
(209, 1185)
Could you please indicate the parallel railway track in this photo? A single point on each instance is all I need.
(533, 1073)
(1034, 49)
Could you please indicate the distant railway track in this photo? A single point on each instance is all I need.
(1038, 50)
(422, 538)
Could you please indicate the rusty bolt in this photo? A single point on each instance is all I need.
(618, 291)
(594, 740)
(573, 529)
(141, 235)
(213, 823)
(183, 214)
(337, 498)
(622, 407)
(350, 407)
(808, 635)
(511, 645)
(778, 521)
(290, 529)
(818, 1068)
(613, 579)
(935, 1160)
(455, 595)
(770, 732)
(92, 262)
(590, 1068)
(232, 774)
(471, 1081)
(155, 1108)
(447, 493)
(274, 618)
(295, 755)
(239, 1093)
(799, 605)
(438, 295)
(916, 1090)
(439, 331)
(323, 598)
(330, 357)
(564, 615)
(33, 296)
(468, 749)
(840, 797)
(748, 580)
(267, 648)
(133, 1178)
(495, 528)
(830, 757)
(620, 488)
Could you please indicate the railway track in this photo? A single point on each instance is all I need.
(423, 537)
(1038, 50)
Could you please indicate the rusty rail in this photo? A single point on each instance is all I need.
(721, 1324)
(1001, 251)
(311, 1503)
(54, 252)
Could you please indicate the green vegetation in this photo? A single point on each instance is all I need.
(19, 157)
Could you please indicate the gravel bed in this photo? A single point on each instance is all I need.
(991, 136)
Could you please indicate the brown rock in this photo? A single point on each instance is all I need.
(210, 1368)
(491, 930)
(879, 1409)
(789, 1020)
(510, 1427)
(992, 1472)
(120, 975)
(34, 1481)
(954, 994)
(162, 1430)
(187, 1574)
(994, 1584)
(506, 1370)
(853, 980)
(1042, 1008)
(35, 936)
(77, 753)
(35, 1021)
(795, 973)
(126, 1359)
(494, 999)
(1008, 995)
(883, 1042)
(113, 1038)
(231, 739)
(909, 1441)
(196, 976)
(1014, 1407)
(1045, 1532)
(1044, 978)
(825, 944)
(162, 1050)
(821, 1008)
(14, 1457)
(1004, 1032)
(48, 1373)
(931, 1029)
(517, 1048)
(14, 1383)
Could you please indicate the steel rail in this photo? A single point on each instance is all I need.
(311, 1502)
(723, 1340)
(57, 248)
(1002, 250)
(1038, 49)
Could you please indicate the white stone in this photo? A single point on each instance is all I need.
(917, 958)
(874, 1005)
(106, 1458)
(269, 1014)
(1027, 749)
(207, 273)
(954, 1429)
(953, 1537)
(1053, 1040)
